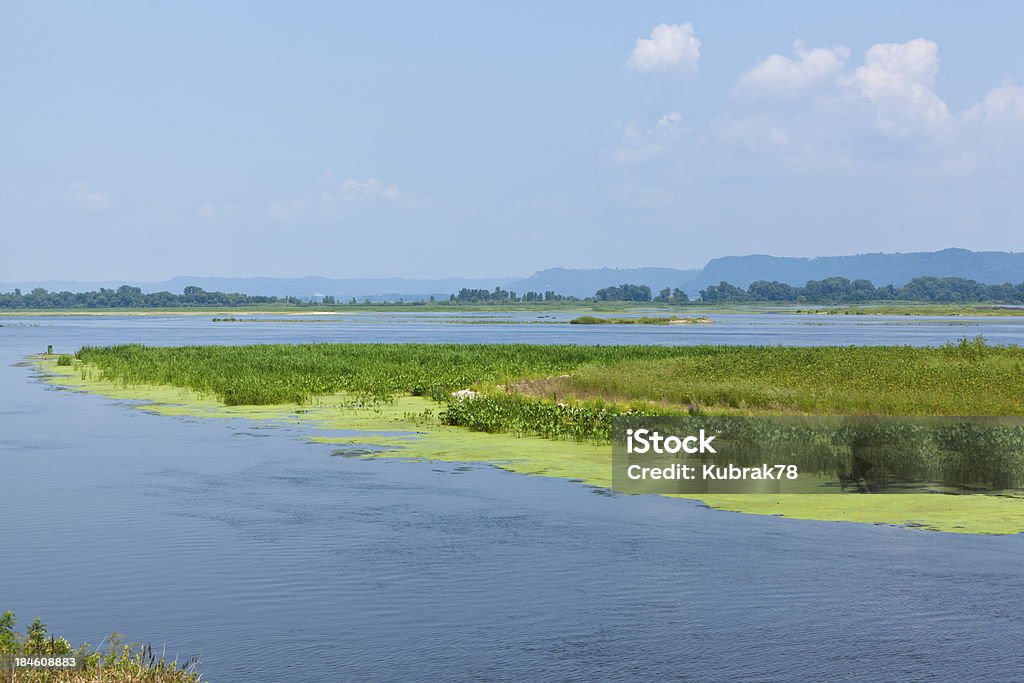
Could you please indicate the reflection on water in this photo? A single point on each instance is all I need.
(275, 561)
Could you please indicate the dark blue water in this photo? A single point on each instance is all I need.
(276, 562)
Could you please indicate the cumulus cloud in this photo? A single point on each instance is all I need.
(671, 46)
(916, 60)
(81, 194)
(1001, 105)
(993, 131)
(897, 79)
(891, 91)
(822, 108)
(780, 76)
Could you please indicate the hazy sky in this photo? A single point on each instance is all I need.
(145, 140)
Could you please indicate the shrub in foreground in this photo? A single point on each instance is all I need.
(116, 662)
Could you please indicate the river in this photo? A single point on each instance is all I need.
(274, 561)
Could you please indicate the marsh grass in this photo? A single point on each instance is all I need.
(114, 662)
(967, 378)
(276, 374)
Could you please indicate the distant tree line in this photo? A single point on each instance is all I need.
(624, 293)
(133, 297)
(500, 296)
(672, 296)
(833, 290)
(830, 290)
(842, 290)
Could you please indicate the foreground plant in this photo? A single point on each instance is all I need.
(39, 656)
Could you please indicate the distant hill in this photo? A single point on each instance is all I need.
(988, 267)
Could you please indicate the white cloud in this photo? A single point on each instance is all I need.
(897, 79)
(80, 193)
(780, 76)
(992, 132)
(891, 91)
(1001, 105)
(816, 111)
(916, 60)
(671, 46)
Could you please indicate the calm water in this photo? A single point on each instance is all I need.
(276, 562)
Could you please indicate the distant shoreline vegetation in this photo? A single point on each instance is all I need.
(133, 297)
(833, 290)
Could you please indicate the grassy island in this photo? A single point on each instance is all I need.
(547, 409)
(644, 320)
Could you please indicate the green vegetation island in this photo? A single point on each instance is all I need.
(643, 320)
(548, 410)
(38, 656)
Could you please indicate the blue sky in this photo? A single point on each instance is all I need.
(142, 140)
